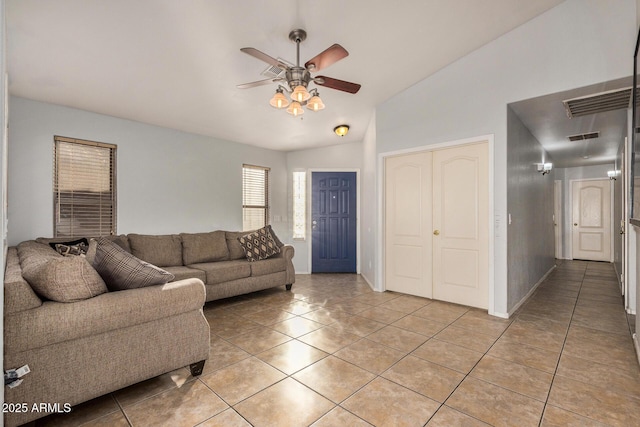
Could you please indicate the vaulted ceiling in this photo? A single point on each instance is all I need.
(177, 63)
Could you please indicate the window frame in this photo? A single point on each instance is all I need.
(299, 194)
(246, 181)
(110, 227)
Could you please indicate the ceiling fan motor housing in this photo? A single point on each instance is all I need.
(298, 76)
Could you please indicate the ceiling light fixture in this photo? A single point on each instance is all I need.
(300, 97)
(341, 130)
(296, 78)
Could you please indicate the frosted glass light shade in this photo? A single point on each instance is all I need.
(295, 109)
(341, 130)
(300, 94)
(315, 103)
(279, 100)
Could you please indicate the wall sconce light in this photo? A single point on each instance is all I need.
(544, 168)
(612, 174)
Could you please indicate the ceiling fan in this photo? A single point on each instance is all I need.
(297, 78)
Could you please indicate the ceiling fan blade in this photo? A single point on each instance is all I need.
(263, 57)
(337, 84)
(257, 83)
(326, 58)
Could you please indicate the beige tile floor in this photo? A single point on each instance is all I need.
(334, 353)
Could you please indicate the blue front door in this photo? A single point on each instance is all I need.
(333, 222)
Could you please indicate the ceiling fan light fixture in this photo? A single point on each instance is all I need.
(295, 109)
(300, 94)
(341, 130)
(315, 103)
(279, 100)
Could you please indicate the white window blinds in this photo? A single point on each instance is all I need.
(255, 197)
(84, 188)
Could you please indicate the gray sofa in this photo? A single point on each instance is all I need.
(217, 258)
(81, 350)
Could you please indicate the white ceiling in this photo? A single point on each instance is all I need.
(177, 63)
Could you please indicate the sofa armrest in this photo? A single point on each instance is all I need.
(55, 322)
(287, 252)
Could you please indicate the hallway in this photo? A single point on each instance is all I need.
(579, 311)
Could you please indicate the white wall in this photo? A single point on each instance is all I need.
(168, 181)
(577, 43)
(347, 157)
(370, 210)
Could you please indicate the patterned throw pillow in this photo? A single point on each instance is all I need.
(73, 248)
(120, 270)
(259, 244)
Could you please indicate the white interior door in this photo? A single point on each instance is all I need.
(460, 225)
(408, 248)
(557, 216)
(591, 218)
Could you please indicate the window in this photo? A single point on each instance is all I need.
(299, 205)
(255, 197)
(84, 188)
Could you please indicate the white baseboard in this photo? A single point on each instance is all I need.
(366, 279)
(637, 346)
(528, 295)
(498, 314)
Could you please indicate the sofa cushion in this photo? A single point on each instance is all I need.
(162, 250)
(259, 244)
(204, 247)
(18, 294)
(65, 279)
(122, 270)
(223, 271)
(268, 266)
(121, 240)
(234, 246)
(183, 272)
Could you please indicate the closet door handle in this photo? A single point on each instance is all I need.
(436, 232)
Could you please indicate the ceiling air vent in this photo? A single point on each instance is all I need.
(618, 99)
(273, 72)
(583, 136)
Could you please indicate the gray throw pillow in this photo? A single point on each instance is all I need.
(65, 279)
(121, 270)
(259, 244)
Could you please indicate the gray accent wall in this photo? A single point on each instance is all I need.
(530, 230)
(168, 181)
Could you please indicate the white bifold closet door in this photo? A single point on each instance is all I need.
(437, 224)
